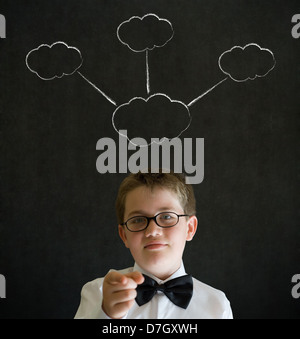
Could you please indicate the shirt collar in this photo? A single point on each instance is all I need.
(179, 273)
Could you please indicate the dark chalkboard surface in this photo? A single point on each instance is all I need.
(230, 70)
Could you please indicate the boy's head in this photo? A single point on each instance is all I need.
(157, 245)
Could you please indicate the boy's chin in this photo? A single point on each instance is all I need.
(159, 265)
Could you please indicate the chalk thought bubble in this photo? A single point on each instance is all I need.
(54, 61)
(145, 33)
(247, 63)
(157, 117)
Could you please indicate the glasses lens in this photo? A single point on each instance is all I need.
(137, 224)
(167, 219)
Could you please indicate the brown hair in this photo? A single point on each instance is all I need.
(172, 181)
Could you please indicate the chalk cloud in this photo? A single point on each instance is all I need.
(153, 118)
(145, 33)
(54, 61)
(247, 63)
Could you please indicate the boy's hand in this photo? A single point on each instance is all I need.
(119, 293)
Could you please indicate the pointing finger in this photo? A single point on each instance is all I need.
(116, 278)
(136, 276)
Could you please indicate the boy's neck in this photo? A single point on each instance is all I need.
(162, 278)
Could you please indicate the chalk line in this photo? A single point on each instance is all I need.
(208, 91)
(147, 72)
(96, 88)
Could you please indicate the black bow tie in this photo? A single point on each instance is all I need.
(178, 290)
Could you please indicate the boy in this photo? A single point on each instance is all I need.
(156, 215)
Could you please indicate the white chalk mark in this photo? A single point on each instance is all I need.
(155, 141)
(208, 91)
(244, 49)
(97, 89)
(138, 50)
(147, 72)
(147, 45)
(58, 43)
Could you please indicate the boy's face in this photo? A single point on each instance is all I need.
(157, 250)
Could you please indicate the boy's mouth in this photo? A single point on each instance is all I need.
(155, 245)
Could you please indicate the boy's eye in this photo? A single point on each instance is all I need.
(138, 220)
(167, 218)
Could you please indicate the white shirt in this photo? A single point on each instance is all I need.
(206, 303)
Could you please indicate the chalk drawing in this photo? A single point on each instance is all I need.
(247, 63)
(98, 89)
(49, 62)
(142, 35)
(158, 107)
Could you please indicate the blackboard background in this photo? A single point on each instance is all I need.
(58, 225)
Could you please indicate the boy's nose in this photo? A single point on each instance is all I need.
(153, 229)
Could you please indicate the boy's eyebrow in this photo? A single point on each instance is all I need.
(139, 212)
(143, 213)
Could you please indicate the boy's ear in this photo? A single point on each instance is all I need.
(122, 235)
(192, 227)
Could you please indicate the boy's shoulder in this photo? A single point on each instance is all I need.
(201, 287)
(212, 300)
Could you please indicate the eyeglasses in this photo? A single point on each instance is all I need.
(164, 220)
